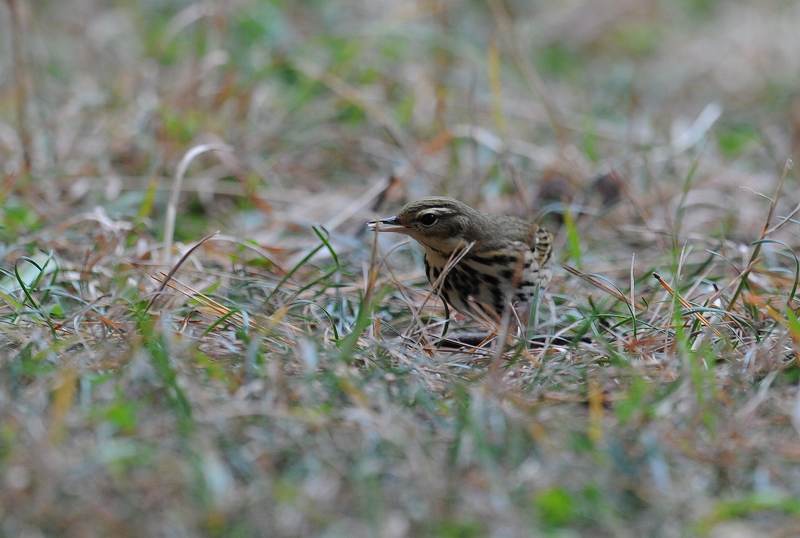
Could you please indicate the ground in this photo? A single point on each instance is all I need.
(200, 336)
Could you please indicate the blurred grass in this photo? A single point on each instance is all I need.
(288, 384)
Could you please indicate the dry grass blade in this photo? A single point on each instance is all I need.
(174, 196)
(436, 286)
(214, 307)
(176, 267)
(765, 230)
(597, 283)
(687, 305)
(21, 80)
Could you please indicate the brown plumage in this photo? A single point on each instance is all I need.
(478, 263)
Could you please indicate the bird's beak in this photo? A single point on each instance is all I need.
(389, 224)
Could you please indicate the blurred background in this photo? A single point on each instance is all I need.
(508, 105)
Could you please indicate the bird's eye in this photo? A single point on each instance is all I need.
(428, 219)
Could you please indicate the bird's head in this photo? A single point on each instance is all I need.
(440, 223)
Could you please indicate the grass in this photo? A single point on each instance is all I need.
(198, 335)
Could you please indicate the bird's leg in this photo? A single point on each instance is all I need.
(447, 319)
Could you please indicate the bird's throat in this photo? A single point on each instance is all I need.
(441, 247)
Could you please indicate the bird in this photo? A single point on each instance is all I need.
(479, 264)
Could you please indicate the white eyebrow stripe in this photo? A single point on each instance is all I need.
(438, 211)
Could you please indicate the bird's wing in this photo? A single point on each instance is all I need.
(542, 244)
(539, 240)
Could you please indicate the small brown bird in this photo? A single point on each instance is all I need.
(479, 264)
